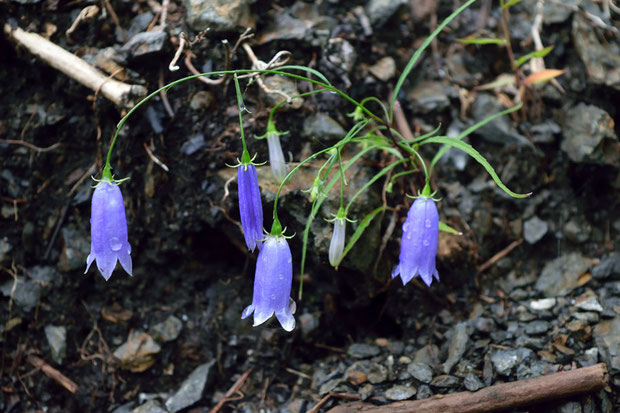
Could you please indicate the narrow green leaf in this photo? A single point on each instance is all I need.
(538, 53)
(510, 3)
(418, 53)
(361, 228)
(447, 228)
(307, 69)
(470, 130)
(481, 41)
(468, 149)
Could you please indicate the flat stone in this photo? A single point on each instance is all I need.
(537, 327)
(534, 229)
(26, 293)
(380, 11)
(321, 127)
(168, 330)
(458, 345)
(500, 130)
(543, 304)
(429, 96)
(424, 392)
(150, 406)
(191, 389)
(472, 382)
(384, 69)
(445, 380)
(504, 360)
(561, 276)
(146, 43)
(585, 130)
(366, 369)
(420, 371)
(57, 340)
(589, 303)
(138, 353)
(602, 58)
(218, 15)
(607, 338)
(282, 84)
(399, 392)
(608, 267)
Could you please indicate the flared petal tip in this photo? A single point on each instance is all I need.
(247, 312)
(287, 321)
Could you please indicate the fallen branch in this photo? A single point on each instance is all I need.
(121, 94)
(498, 397)
(52, 373)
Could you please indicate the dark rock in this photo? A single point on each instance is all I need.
(607, 338)
(609, 267)
(445, 380)
(26, 293)
(472, 382)
(57, 340)
(218, 15)
(484, 324)
(589, 135)
(458, 345)
(504, 360)
(150, 406)
(380, 11)
(322, 127)
(561, 276)
(146, 43)
(499, 130)
(429, 96)
(420, 371)
(193, 144)
(75, 250)
(537, 327)
(362, 350)
(534, 229)
(424, 392)
(191, 389)
(400, 392)
(301, 21)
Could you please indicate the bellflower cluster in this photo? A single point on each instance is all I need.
(418, 246)
(250, 205)
(272, 284)
(108, 230)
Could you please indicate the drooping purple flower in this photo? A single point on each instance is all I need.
(276, 156)
(108, 230)
(250, 206)
(336, 246)
(272, 284)
(418, 246)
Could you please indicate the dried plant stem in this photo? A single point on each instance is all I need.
(500, 396)
(121, 94)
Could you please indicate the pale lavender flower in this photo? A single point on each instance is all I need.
(418, 246)
(336, 246)
(272, 284)
(276, 156)
(108, 230)
(250, 206)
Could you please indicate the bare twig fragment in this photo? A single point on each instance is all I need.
(52, 373)
(121, 94)
(499, 397)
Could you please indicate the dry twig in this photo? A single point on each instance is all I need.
(498, 397)
(235, 389)
(52, 373)
(121, 94)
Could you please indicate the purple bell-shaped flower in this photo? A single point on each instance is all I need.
(418, 246)
(108, 230)
(272, 284)
(250, 205)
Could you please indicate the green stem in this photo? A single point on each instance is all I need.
(245, 156)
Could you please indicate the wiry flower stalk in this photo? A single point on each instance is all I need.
(250, 206)
(418, 246)
(108, 230)
(272, 284)
(276, 156)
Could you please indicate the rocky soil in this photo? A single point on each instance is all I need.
(532, 286)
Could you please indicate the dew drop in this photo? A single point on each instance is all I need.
(405, 226)
(290, 260)
(281, 276)
(115, 244)
(409, 236)
(428, 223)
(426, 243)
(273, 296)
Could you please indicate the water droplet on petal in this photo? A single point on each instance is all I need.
(428, 223)
(273, 296)
(409, 236)
(115, 244)
(426, 243)
(405, 226)
(281, 276)
(290, 260)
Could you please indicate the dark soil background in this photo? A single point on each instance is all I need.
(170, 337)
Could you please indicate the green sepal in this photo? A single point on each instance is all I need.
(447, 228)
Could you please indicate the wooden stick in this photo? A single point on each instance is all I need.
(52, 373)
(498, 397)
(121, 94)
